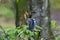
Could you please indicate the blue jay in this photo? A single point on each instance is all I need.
(30, 22)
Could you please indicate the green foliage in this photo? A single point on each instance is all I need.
(37, 27)
(53, 23)
(57, 38)
(0, 38)
(6, 10)
(17, 1)
(25, 33)
(42, 38)
(11, 33)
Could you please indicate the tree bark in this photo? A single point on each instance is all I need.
(45, 20)
(41, 12)
(17, 14)
(21, 7)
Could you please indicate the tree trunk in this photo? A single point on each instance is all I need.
(21, 7)
(17, 14)
(45, 20)
(34, 10)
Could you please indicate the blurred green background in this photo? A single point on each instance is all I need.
(7, 15)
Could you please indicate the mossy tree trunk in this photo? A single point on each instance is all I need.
(17, 14)
(21, 5)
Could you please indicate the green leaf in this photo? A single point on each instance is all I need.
(53, 22)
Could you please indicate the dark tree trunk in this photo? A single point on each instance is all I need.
(17, 14)
(21, 7)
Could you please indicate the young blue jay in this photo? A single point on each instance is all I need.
(30, 21)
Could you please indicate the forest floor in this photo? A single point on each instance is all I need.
(55, 15)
